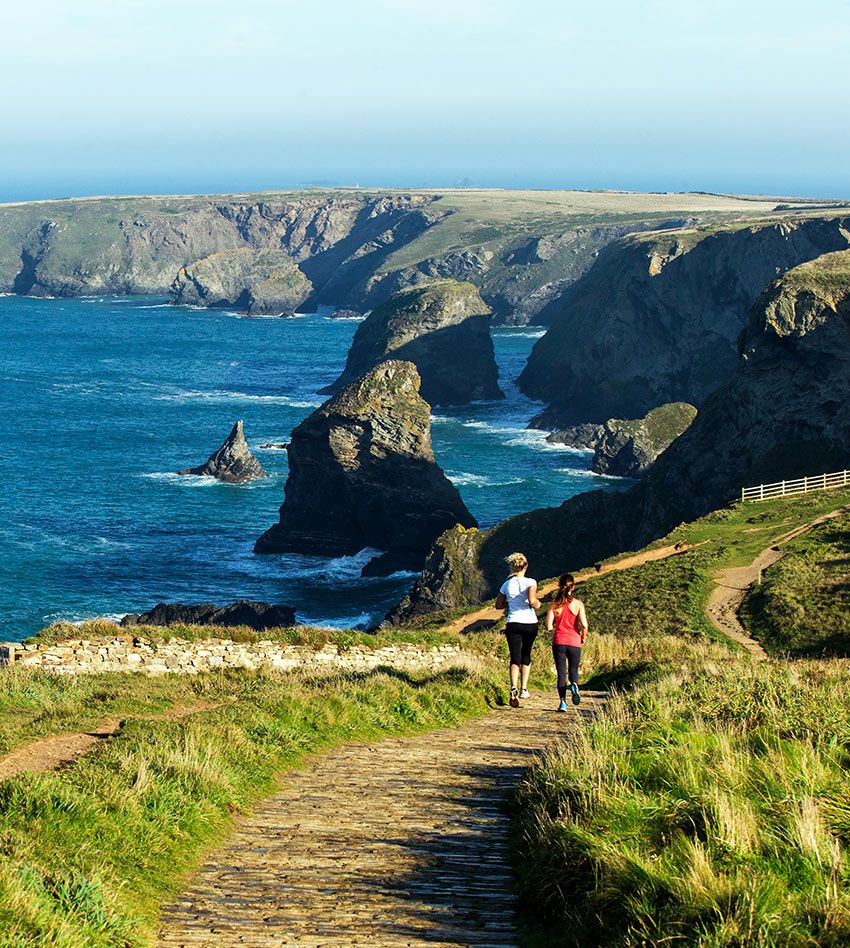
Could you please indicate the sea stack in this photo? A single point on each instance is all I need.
(233, 462)
(443, 328)
(362, 474)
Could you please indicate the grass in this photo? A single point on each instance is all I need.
(802, 607)
(707, 806)
(89, 853)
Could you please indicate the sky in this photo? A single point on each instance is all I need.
(158, 96)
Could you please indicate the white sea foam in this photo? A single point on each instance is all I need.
(465, 479)
(182, 480)
(524, 334)
(586, 472)
(218, 395)
(361, 621)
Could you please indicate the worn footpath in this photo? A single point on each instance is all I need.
(403, 842)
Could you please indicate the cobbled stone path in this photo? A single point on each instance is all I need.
(402, 842)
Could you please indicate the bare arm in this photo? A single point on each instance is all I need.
(550, 619)
(582, 618)
(501, 601)
(533, 601)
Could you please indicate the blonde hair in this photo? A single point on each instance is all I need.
(516, 562)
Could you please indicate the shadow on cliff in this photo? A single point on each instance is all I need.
(338, 271)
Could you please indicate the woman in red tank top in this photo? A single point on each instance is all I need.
(567, 621)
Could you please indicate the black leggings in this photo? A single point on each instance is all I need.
(521, 636)
(562, 655)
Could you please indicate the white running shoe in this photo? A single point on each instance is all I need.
(524, 693)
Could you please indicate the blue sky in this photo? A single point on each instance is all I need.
(147, 95)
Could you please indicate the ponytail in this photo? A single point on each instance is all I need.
(566, 584)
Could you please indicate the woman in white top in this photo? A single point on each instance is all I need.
(519, 595)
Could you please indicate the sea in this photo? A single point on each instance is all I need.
(104, 399)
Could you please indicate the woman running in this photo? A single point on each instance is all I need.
(567, 620)
(519, 594)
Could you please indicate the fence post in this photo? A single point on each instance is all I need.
(783, 488)
(805, 483)
(761, 492)
(824, 482)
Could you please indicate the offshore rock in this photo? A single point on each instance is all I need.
(657, 318)
(253, 281)
(256, 615)
(443, 328)
(232, 462)
(362, 474)
(582, 437)
(785, 414)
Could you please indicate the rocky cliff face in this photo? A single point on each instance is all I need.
(253, 281)
(657, 318)
(362, 473)
(232, 462)
(443, 329)
(785, 414)
(356, 248)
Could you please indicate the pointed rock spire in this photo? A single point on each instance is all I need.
(233, 462)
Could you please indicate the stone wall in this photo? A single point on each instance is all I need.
(87, 656)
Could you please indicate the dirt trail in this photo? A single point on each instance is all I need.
(489, 613)
(58, 750)
(734, 583)
(403, 842)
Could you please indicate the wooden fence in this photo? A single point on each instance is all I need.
(802, 485)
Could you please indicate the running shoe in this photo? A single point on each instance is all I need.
(524, 693)
(514, 702)
(562, 706)
(576, 695)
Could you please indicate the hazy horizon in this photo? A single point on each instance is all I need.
(146, 97)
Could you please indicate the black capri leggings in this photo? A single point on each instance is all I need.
(521, 636)
(563, 655)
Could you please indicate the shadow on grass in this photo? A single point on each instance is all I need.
(623, 677)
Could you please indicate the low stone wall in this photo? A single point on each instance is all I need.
(87, 656)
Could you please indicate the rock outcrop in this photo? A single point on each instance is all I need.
(444, 330)
(627, 448)
(657, 318)
(232, 462)
(256, 615)
(362, 474)
(785, 414)
(252, 281)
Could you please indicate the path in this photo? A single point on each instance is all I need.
(491, 614)
(734, 583)
(403, 842)
(58, 750)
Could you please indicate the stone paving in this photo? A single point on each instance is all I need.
(402, 842)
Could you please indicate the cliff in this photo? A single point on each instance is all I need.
(362, 474)
(254, 281)
(522, 249)
(785, 414)
(443, 329)
(657, 318)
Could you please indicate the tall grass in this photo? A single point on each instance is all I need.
(87, 854)
(710, 806)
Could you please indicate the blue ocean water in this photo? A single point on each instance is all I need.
(104, 399)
